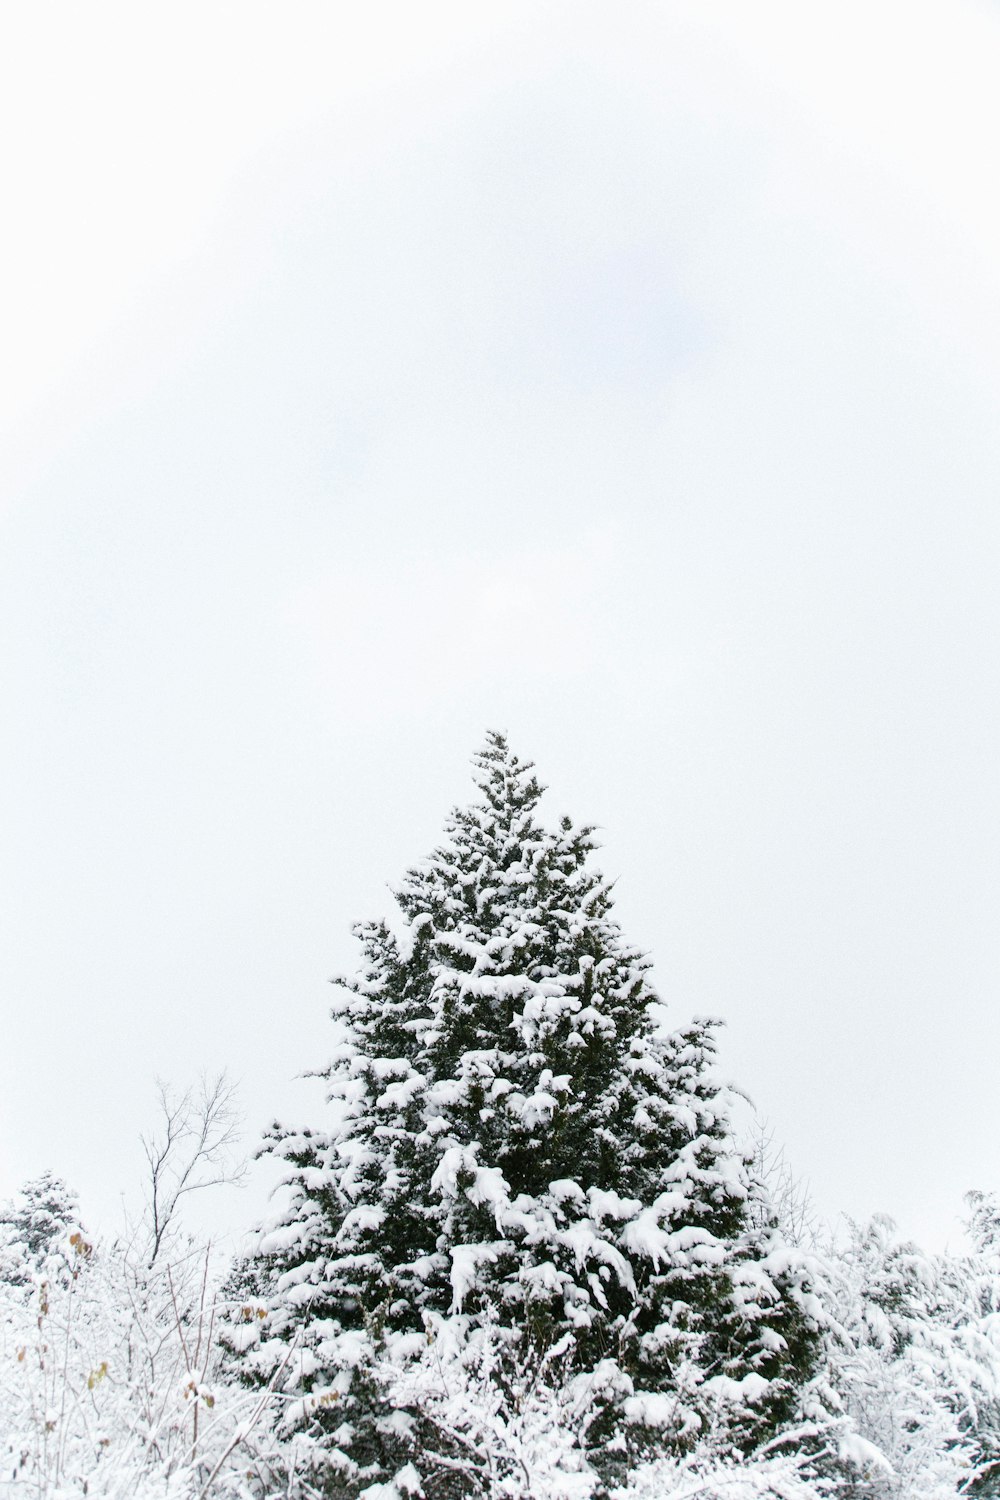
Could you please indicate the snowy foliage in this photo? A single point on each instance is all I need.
(109, 1376)
(519, 1141)
(43, 1214)
(916, 1357)
(109, 1361)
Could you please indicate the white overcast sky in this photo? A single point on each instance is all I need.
(626, 377)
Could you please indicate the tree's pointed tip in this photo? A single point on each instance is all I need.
(495, 741)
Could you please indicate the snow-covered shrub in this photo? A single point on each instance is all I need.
(697, 1477)
(108, 1376)
(916, 1359)
(110, 1380)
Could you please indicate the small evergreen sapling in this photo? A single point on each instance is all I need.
(33, 1226)
(522, 1152)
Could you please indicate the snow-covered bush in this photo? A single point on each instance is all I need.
(915, 1355)
(109, 1362)
(105, 1374)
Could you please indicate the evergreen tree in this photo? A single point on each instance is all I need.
(32, 1225)
(520, 1150)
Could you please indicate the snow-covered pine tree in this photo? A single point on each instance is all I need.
(520, 1147)
(32, 1225)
